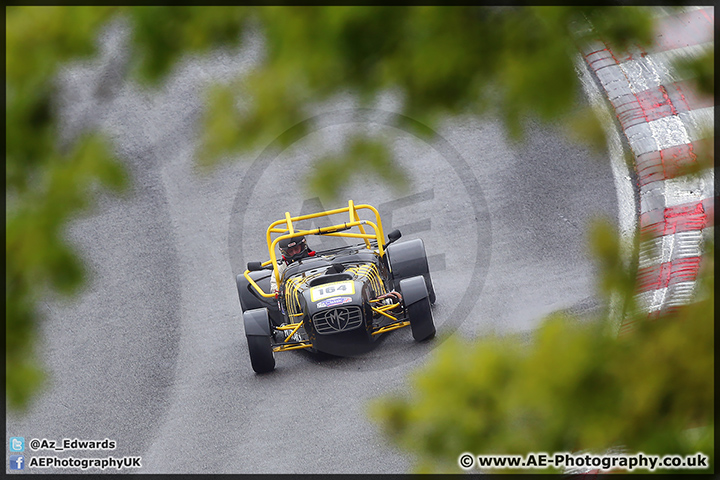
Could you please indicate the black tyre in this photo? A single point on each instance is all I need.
(258, 333)
(431, 293)
(262, 356)
(408, 259)
(417, 307)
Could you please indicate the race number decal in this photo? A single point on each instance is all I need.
(331, 290)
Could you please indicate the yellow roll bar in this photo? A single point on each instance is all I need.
(287, 229)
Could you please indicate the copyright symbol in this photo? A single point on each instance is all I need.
(34, 444)
(466, 461)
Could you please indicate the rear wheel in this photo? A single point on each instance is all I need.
(431, 293)
(417, 306)
(408, 259)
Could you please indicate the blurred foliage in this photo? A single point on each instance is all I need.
(616, 279)
(704, 156)
(576, 387)
(45, 184)
(162, 34)
(49, 181)
(700, 70)
(514, 61)
(334, 171)
(38, 257)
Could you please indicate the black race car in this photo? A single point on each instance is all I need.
(339, 300)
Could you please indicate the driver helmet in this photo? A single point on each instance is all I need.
(294, 248)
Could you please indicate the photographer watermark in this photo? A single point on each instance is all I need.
(85, 463)
(37, 444)
(25, 459)
(569, 462)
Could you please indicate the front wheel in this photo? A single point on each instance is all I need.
(262, 356)
(258, 333)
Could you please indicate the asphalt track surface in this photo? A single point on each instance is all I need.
(152, 354)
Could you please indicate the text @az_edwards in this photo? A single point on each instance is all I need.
(71, 444)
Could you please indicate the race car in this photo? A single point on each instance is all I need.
(339, 300)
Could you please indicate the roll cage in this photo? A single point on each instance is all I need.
(287, 229)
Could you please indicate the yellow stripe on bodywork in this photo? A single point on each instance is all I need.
(292, 293)
(379, 286)
(293, 285)
(370, 272)
(291, 300)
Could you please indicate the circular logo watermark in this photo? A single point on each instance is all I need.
(445, 206)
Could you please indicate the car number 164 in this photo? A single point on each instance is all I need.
(331, 290)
